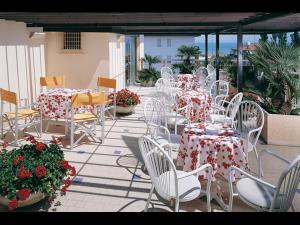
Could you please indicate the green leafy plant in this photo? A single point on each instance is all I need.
(32, 168)
(277, 63)
(187, 55)
(225, 62)
(149, 73)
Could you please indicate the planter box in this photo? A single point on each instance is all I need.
(149, 83)
(33, 198)
(281, 129)
(125, 110)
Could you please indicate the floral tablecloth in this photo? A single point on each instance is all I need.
(56, 103)
(221, 151)
(187, 81)
(201, 104)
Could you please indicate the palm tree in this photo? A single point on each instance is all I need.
(278, 62)
(186, 53)
(151, 60)
(150, 73)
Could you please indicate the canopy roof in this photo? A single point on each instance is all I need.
(165, 23)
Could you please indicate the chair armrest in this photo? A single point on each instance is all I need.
(249, 176)
(156, 127)
(203, 167)
(272, 154)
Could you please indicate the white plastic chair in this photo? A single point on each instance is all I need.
(262, 195)
(250, 123)
(171, 184)
(227, 116)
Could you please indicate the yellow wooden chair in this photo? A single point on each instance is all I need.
(108, 83)
(20, 113)
(87, 121)
(49, 82)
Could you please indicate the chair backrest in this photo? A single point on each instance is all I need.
(250, 117)
(219, 87)
(210, 69)
(165, 70)
(83, 99)
(52, 81)
(286, 186)
(208, 82)
(154, 112)
(8, 96)
(160, 167)
(201, 73)
(233, 106)
(106, 82)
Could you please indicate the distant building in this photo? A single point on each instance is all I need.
(246, 48)
(165, 47)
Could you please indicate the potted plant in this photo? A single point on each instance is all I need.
(32, 172)
(150, 75)
(277, 88)
(126, 100)
(187, 55)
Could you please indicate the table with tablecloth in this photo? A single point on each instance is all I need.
(220, 150)
(187, 81)
(56, 103)
(201, 104)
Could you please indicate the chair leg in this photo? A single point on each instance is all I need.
(47, 127)
(72, 135)
(208, 199)
(177, 205)
(149, 198)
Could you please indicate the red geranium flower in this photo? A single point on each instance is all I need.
(67, 182)
(23, 194)
(63, 190)
(23, 173)
(13, 204)
(65, 164)
(40, 171)
(73, 171)
(31, 139)
(17, 159)
(40, 146)
(3, 144)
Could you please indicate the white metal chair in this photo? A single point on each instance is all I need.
(262, 195)
(165, 70)
(171, 184)
(155, 118)
(201, 73)
(174, 114)
(227, 116)
(250, 123)
(211, 70)
(219, 91)
(30, 116)
(208, 82)
(87, 121)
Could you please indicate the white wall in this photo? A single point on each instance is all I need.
(22, 60)
(150, 46)
(102, 55)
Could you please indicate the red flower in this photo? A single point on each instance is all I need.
(31, 139)
(13, 204)
(65, 164)
(3, 144)
(23, 173)
(67, 182)
(40, 171)
(63, 190)
(17, 159)
(59, 139)
(40, 146)
(73, 171)
(23, 194)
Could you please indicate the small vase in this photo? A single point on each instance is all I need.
(33, 198)
(125, 110)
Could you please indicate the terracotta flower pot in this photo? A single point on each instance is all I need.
(33, 198)
(125, 110)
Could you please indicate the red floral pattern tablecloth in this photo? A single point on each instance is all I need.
(201, 104)
(187, 81)
(221, 151)
(56, 103)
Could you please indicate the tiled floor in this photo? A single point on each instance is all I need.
(110, 177)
